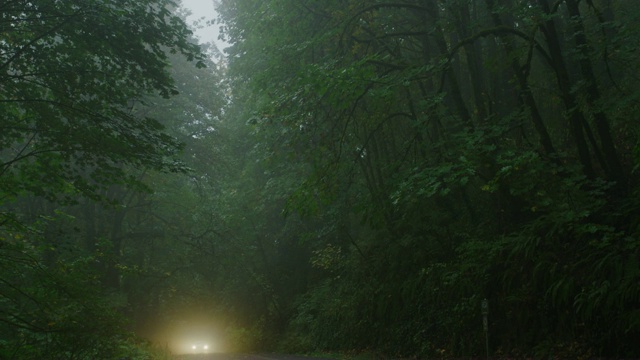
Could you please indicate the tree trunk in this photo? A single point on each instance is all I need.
(525, 92)
(577, 121)
(612, 163)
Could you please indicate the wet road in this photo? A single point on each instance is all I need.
(221, 356)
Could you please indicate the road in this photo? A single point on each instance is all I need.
(222, 356)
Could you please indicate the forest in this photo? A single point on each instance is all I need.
(346, 178)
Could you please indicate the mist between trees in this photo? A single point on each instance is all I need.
(352, 177)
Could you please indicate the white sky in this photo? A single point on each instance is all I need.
(206, 9)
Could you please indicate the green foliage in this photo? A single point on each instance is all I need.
(245, 340)
(431, 155)
(72, 73)
(53, 308)
(88, 130)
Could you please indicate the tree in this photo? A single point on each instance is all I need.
(449, 150)
(75, 78)
(72, 72)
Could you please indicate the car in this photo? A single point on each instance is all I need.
(200, 348)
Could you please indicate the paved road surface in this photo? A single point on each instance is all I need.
(243, 357)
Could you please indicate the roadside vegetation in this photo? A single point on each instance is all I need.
(353, 178)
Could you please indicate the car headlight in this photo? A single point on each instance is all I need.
(200, 347)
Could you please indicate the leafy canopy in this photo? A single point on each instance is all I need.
(71, 76)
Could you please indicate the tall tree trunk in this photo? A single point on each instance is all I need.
(612, 163)
(116, 237)
(525, 91)
(474, 62)
(90, 236)
(577, 121)
(455, 94)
